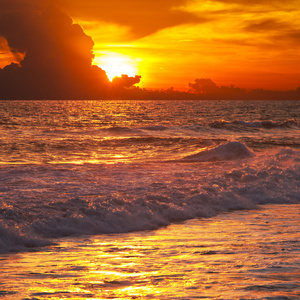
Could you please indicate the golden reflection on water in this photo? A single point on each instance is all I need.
(78, 132)
(242, 254)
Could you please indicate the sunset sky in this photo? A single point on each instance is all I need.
(247, 43)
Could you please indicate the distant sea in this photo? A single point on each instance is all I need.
(76, 172)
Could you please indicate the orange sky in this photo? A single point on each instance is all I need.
(248, 43)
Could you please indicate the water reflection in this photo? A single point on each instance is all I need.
(38, 132)
(249, 255)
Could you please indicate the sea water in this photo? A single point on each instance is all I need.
(241, 255)
(88, 186)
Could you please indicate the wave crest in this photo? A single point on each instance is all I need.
(228, 151)
(12, 240)
(255, 124)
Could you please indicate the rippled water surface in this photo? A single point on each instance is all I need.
(241, 255)
(124, 131)
(95, 198)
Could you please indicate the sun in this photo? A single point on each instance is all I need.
(116, 65)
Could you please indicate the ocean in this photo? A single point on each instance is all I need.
(150, 199)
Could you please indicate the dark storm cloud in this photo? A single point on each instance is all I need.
(142, 17)
(58, 54)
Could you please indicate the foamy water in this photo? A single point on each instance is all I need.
(240, 255)
(85, 168)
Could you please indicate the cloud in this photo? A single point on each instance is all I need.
(142, 17)
(203, 85)
(58, 54)
(125, 81)
(208, 86)
(278, 30)
(265, 25)
(8, 56)
(257, 2)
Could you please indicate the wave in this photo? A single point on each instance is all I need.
(219, 124)
(137, 130)
(120, 130)
(13, 240)
(48, 202)
(155, 128)
(228, 151)
(255, 124)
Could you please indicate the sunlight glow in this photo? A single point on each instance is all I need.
(116, 65)
(7, 56)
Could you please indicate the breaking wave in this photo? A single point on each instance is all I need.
(228, 151)
(48, 202)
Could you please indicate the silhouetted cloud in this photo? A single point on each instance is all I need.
(142, 17)
(203, 85)
(206, 86)
(58, 54)
(125, 81)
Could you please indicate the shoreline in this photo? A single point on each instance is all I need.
(235, 254)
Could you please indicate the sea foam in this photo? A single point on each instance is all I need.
(42, 203)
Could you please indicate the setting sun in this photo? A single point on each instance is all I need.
(115, 64)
